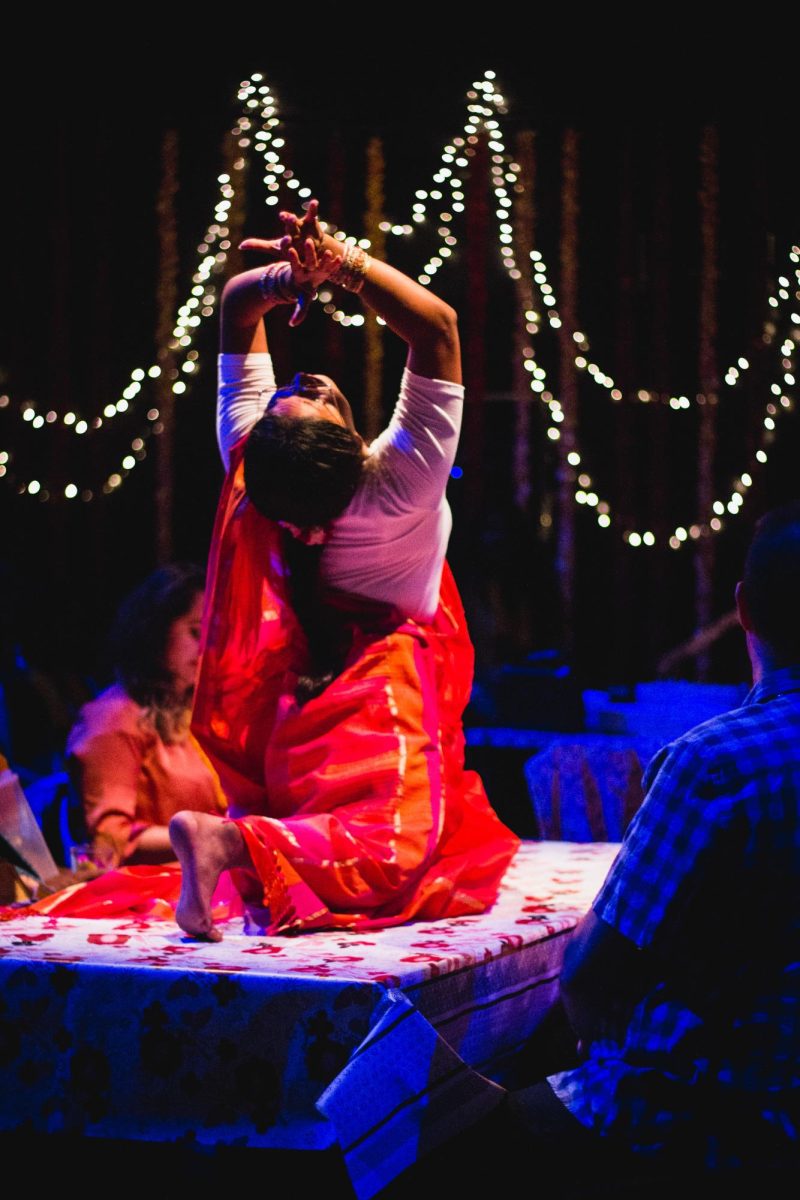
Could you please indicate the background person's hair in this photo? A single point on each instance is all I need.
(139, 635)
(771, 582)
(301, 470)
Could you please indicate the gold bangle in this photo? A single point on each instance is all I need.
(352, 269)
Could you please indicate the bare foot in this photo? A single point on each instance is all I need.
(205, 846)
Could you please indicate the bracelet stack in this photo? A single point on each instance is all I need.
(278, 287)
(352, 269)
(276, 284)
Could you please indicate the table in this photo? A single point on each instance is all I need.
(384, 1043)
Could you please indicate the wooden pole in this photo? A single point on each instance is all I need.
(333, 353)
(659, 600)
(235, 164)
(373, 332)
(477, 308)
(167, 305)
(709, 383)
(524, 228)
(568, 385)
(624, 453)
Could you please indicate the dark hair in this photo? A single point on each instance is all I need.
(138, 639)
(772, 582)
(301, 470)
(327, 639)
(306, 472)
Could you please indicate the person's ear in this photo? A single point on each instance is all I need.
(742, 608)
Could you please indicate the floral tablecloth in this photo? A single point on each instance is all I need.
(384, 1042)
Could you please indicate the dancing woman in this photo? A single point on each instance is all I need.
(336, 663)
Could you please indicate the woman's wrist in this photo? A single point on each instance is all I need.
(276, 284)
(352, 265)
(329, 242)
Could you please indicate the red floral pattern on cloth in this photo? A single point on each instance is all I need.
(546, 888)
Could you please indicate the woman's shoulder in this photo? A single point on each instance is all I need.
(112, 712)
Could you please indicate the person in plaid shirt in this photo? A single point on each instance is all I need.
(682, 984)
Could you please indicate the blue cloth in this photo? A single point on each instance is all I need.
(706, 885)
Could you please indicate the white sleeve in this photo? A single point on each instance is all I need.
(245, 384)
(416, 451)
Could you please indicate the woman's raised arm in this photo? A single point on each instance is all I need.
(249, 295)
(427, 324)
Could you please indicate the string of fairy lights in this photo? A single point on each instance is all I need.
(585, 495)
(198, 306)
(257, 131)
(779, 403)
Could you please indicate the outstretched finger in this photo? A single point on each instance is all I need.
(265, 245)
(310, 218)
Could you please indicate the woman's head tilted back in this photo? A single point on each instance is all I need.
(154, 641)
(302, 470)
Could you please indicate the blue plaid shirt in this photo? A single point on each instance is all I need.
(706, 884)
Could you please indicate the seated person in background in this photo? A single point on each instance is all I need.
(682, 983)
(131, 754)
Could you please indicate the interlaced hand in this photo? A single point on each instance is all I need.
(301, 246)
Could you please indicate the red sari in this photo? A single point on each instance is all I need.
(355, 808)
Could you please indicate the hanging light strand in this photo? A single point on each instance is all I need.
(779, 298)
(724, 507)
(258, 129)
(198, 307)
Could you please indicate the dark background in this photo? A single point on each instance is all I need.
(81, 140)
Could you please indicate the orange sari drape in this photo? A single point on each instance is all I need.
(355, 808)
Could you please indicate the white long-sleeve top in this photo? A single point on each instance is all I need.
(390, 542)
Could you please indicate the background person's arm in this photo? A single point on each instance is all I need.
(603, 976)
(648, 900)
(106, 767)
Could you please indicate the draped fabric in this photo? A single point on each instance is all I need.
(142, 892)
(355, 808)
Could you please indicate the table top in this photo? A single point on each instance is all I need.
(546, 888)
(125, 1028)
